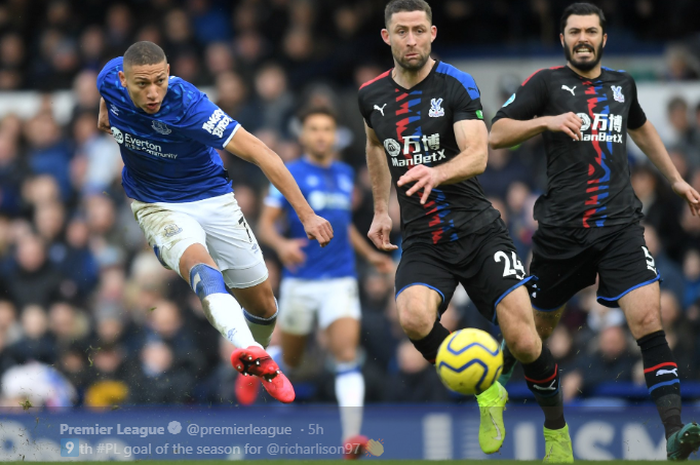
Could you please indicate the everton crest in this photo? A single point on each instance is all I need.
(161, 128)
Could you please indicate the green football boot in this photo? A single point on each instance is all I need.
(683, 442)
(557, 445)
(492, 431)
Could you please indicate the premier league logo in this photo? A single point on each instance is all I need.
(393, 148)
(161, 128)
(617, 94)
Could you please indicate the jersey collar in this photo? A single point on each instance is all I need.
(432, 70)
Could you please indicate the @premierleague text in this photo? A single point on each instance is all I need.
(192, 429)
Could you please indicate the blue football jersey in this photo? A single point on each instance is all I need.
(168, 156)
(329, 192)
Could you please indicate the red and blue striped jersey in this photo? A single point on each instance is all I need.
(416, 126)
(588, 181)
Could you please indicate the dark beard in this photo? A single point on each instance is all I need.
(412, 67)
(584, 65)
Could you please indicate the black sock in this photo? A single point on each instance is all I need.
(542, 378)
(509, 360)
(429, 345)
(661, 374)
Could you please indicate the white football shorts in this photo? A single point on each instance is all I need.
(217, 223)
(302, 301)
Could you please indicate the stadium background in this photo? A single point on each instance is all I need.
(89, 317)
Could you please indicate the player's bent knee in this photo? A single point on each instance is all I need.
(206, 280)
(526, 347)
(649, 322)
(416, 323)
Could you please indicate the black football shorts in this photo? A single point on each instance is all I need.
(484, 262)
(566, 260)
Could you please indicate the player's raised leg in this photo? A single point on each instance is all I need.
(642, 307)
(343, 339)
(226, 315)
(221, 309)
(515, 317)
(260, 312)
(259, 309)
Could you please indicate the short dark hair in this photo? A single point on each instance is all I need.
(581, 9)
(143, 53)
(395, 6)
(307, 112)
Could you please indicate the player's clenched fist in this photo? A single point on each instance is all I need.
(568, 123)
(379, 233)
(318, 228)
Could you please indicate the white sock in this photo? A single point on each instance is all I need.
(350, 392)
(226, 315)
(260, 327)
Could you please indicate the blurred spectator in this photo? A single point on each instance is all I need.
(209, 20)
(32, 279)
(681, 65)
(109, 375)
(49, 152)
(219, 59)
(12, 172)
(36, 344)
(683, 134)
(12, 62)
(40, 384)
(274, 103)
(92, 49)
(611, 361)
(119, 25)
(156, 379)
(232, 97)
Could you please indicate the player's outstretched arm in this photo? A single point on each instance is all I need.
(647, 139)
(103, 118)
(248, 147)
(472, 138)
(380, 177)
(382, 262)
(289, 251)
(508, 132)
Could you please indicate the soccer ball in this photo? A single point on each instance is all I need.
(469, 361)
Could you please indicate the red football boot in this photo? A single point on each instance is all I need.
(255, 361)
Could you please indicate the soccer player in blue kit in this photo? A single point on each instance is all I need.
(320, 285)
(167, 131)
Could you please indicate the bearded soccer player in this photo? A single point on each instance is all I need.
(425, 130)
(589, 217)
(167, 131)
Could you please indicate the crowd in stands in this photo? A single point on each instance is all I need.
(88, 316)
